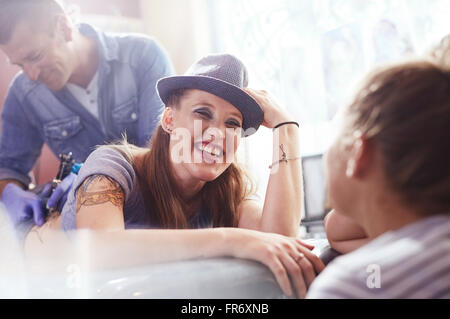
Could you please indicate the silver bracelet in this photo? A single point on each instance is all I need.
(283, 158)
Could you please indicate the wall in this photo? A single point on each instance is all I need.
(181, 27)
(126, 8)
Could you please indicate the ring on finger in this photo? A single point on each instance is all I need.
(299, 258)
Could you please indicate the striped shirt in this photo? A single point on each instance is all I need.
(411, 262)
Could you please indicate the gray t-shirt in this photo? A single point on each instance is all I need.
(112, 163)
(411, 262)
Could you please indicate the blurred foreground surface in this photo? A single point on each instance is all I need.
(224, 278)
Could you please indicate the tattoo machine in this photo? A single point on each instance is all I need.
(67, 165)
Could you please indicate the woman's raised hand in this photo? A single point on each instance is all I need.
(273, 113)
(289, 259)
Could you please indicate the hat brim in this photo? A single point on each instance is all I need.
(252, 113)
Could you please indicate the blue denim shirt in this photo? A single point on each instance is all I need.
(128, 104)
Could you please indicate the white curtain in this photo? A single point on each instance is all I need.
(181, 26)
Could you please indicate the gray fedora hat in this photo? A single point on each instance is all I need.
(223, 75)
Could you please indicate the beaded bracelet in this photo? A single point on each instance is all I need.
(285, 123)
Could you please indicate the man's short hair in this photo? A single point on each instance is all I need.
(39, 13)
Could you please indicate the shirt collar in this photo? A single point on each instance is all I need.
(108, 48)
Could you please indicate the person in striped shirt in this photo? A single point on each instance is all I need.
(388, 173)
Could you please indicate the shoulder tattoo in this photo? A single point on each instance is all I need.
(99, 189)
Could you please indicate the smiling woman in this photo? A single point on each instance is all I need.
(123, 187)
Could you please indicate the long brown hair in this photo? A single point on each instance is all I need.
(405, 110)
(165, 207)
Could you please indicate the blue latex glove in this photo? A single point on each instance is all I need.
(22, 205)
(59, 196)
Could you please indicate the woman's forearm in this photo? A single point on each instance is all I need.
(283, 201)
(124, 248)
(93, 250)
(137, 247)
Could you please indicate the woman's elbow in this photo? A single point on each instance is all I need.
(330, 227)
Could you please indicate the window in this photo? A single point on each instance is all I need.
(311, 54)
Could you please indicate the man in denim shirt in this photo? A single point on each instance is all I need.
(79, 88)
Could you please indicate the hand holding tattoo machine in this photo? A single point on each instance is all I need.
(54, 199)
